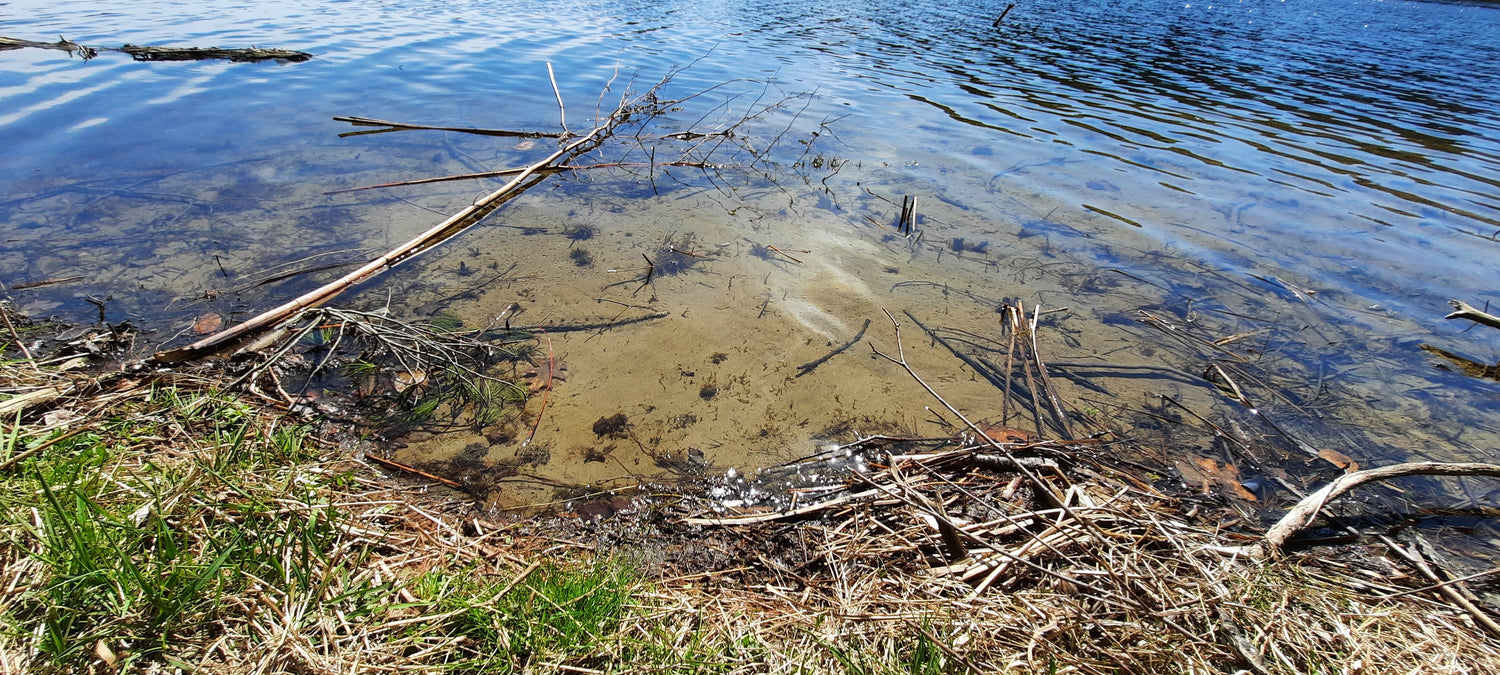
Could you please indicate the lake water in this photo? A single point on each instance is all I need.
(1306, 182)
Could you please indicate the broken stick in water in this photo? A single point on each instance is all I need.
(810, 365)
(386, 125)
(1472, 313)
(139, 53)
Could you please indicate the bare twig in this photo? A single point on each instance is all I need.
(551, 369)
(562, 111)
(1410, 555)
(810, 365)
(402, 467)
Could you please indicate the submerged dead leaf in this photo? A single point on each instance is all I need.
(1208, 472)
(409, 378)
(1339, 460)
(1001, 434)
(208, 323)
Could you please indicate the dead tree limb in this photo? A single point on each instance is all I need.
(139, 53)
(1472, 313)
(437, 234)
(245, 55)
(1301, 515)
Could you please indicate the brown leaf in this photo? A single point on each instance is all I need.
(1209, 471)
(1339, 460)
(1001, 434)
(208, 323)
(407, 379)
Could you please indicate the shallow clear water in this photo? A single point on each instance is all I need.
(1316, 178)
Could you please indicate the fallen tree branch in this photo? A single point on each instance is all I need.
(245, 55)
(139, 53)
(511, 172)
(1472, 313)
(425, 241)
(1301, 515)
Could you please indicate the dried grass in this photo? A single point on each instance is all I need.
(940, 560)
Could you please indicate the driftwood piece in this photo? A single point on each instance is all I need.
(1301, 515)
(243, 55)
(62, 44)
(139, 53)
(1472, 313)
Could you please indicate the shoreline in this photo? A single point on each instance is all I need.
(167, 524)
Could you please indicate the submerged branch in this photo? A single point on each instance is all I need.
(400, 126)
(511, 172)
(423, 242)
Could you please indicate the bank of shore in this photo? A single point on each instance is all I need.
(157, 522)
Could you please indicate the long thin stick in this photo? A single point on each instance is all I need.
(511, 172)
(1434, 587)
(1458, 599)
(799, 262)
(397, 465)
(402, 126)
(1041, 370)
(1018, 322)
(810, 365)
(402, 253)
(562, 111)
(1010, 371)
